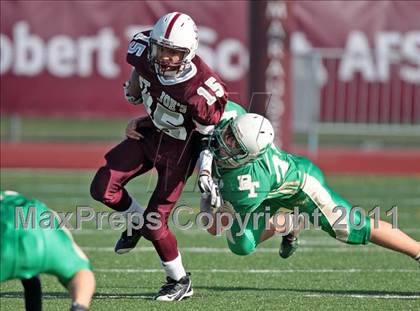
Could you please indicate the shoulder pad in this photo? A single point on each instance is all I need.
(141, 36)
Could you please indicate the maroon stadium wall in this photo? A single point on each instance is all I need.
(68, 57)
(373, 58)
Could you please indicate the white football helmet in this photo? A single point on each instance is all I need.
(241, 140)
(178, 32)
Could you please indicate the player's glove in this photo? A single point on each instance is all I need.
(209, 188)
(131, 99)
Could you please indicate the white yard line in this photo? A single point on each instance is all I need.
(361, 296)
(217, 250)
(138, 296)
(96, 296)
(262, 271)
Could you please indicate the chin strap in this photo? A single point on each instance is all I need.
(184, 75)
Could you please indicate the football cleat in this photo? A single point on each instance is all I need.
(290, 243)
(175, 290)
(288, 246)
(127, 243)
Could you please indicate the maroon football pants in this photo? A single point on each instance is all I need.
(174, 161)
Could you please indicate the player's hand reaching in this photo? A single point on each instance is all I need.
(209, 188)
(131, 129)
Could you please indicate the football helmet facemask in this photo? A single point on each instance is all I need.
(241, 140)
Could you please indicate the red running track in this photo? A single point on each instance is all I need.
(90, 156)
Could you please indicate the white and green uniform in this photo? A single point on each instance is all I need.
(232, 110)
(28, 250)
(277, 179)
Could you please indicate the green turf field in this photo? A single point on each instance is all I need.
(323, 274)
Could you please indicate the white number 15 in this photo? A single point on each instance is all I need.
(215, 86)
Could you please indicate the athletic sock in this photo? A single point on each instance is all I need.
(174, 268)
(134, 207)
(32, 293)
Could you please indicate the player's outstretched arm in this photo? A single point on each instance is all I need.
(82, 287)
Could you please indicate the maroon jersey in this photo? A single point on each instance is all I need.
(178, 106)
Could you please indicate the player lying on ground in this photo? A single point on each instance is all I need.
(29, 251)
(254, 174)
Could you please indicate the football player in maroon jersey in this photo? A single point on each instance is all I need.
(184, 99)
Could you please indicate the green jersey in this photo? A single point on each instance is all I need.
(273, 177)
(279, 179)
(232, 110)
(28, 249)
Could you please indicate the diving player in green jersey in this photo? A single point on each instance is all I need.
(256, 177)
(28, 249)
